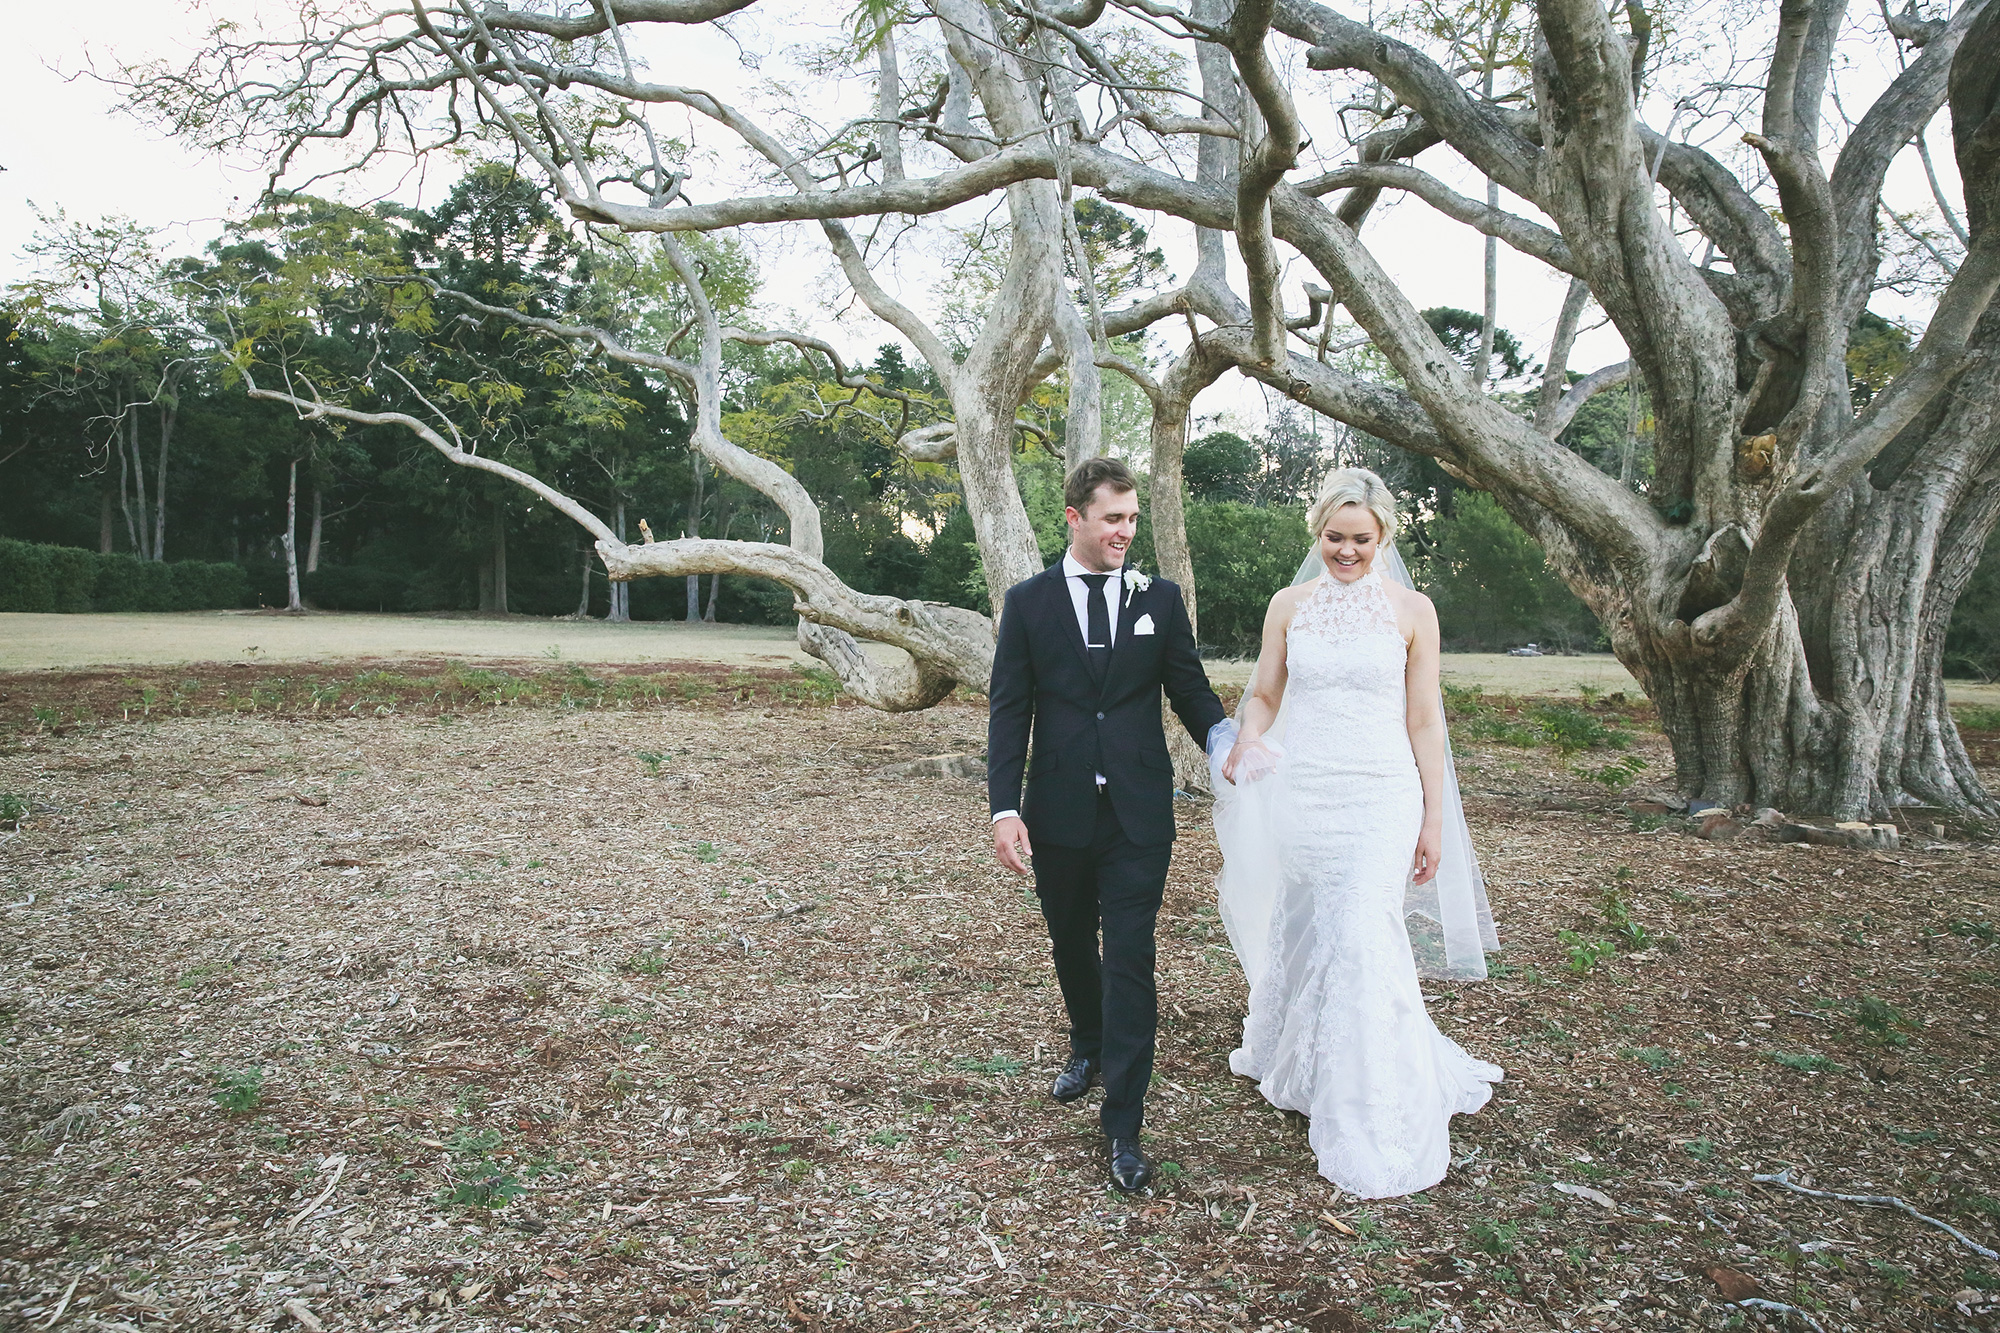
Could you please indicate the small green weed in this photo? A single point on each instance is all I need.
(651, 760)
(1982, 931)
(1701, 1149)
(1619, 773)
(1584, 954)
(1880, 1021)
(473, 1142)
(815, 685)
(1653, 1057)
(1569, 730)
(1973, 717)
(706, 853)
(1890, 1276)
(196, 975)
(1805, 1062)
(1494, 1238)
(482, 1184)
(1910, 1138)
(239, 1091)
(647, 963)
(888, 1138)
(999, 1064)
(797, 1169)
(13, 808)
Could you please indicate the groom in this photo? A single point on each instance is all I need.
(1085, 648)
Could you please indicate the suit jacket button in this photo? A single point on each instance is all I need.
(1100, 717)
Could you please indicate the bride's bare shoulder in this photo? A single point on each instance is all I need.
(1285, 600)
(1408, 599)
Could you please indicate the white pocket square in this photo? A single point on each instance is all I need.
(1143, 625)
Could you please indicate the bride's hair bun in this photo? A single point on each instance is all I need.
(1353, 486)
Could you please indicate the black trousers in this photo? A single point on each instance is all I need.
(1113, 1003)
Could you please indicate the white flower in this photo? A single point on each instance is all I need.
(1135, 582)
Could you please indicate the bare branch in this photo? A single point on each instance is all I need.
(1529, 238)
(1557, 419)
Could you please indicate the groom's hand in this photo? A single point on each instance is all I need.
(1010, 844)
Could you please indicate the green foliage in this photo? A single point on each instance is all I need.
(35, 577)
(13, 808)
(1973, 717)
(650, 760)
(1459, 331)
(1877, 350)
(482, 1184)
(1221, 465)
(1653, 1057)
(238, 1091)
(1584, 954)
(1122, 262)
(1492, 586)
(1494, 1238)
(1242, 554)
(1569, 729)
(1972, 642)
(1880, 1021)
(1804, 1062)
(999, 1064)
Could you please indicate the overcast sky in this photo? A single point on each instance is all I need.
(68, 146)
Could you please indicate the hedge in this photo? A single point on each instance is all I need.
(68, 578)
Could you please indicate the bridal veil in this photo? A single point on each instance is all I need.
(1449, 919)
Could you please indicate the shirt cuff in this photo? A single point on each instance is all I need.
(1006, 814)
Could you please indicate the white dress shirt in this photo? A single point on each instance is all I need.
(1079, 591)
(1073, 573)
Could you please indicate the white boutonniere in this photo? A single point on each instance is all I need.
(1135, 582)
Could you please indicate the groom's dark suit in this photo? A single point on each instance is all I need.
(1101, 854)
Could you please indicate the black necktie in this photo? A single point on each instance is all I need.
(1098, 637)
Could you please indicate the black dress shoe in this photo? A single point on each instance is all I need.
(1076, 1078)
(1131, 1170)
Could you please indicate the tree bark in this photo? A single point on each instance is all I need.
(290, 541)
(500, 557)
(105, 531)
(619, 611)
(169, 415)
(318, 527)
(693, 530)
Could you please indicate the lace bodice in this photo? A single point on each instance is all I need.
(1344, 699)
(1337, 610)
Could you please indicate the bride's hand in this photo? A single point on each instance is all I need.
(1425, 862)
(1250, 757)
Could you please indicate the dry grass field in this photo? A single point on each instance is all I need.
(448, 997)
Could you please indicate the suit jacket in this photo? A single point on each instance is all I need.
(1042, 682)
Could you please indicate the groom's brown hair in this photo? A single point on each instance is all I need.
(1082, 485)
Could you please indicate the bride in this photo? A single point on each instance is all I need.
(1330, 838)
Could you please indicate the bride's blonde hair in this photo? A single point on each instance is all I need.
(1353, 486)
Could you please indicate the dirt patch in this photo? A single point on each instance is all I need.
(667, 1013)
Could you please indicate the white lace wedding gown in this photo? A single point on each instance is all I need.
(1337, 1028)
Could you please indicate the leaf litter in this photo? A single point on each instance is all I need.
(656, 1007)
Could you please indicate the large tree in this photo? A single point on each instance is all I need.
(1780, 584)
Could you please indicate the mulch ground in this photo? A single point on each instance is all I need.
(434, 1001)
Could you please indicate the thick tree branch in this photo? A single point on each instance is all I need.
(1556, 420)
(1939, 357)
(1530, 238)
(1274, 152)
(1417, 81)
